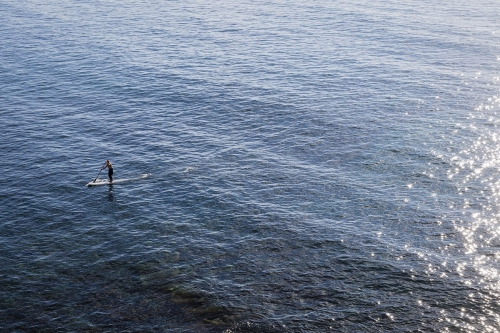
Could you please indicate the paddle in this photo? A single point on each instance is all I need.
(99, 172)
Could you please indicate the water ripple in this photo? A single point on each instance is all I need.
(315, 167)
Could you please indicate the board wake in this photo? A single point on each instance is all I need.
(116, 181)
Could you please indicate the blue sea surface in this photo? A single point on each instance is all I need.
(324, 166)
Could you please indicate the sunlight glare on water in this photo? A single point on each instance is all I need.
(476, 172)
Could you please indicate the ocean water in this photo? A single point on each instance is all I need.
(324, 166)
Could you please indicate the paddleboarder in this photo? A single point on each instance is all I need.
(108, 165)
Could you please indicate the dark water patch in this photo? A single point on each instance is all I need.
(114, 296)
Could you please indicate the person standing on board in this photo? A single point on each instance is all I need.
(108, 165)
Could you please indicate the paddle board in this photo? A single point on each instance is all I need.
(116, 181)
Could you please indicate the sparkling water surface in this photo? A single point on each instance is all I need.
(325, 166)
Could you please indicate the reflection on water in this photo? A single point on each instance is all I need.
(111, 196)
